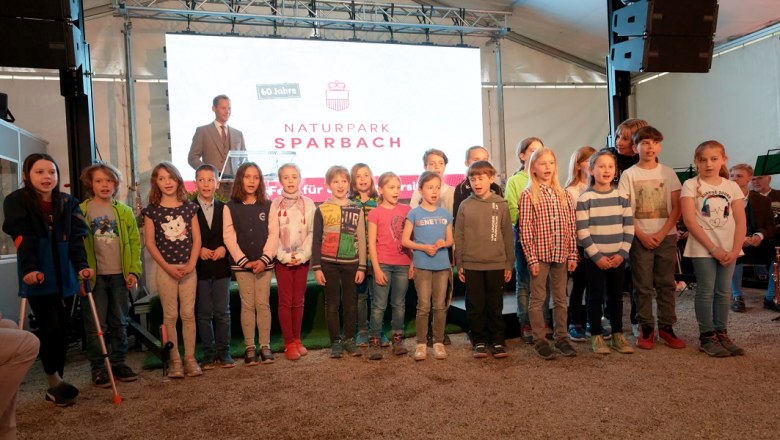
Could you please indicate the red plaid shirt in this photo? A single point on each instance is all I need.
(548, 228)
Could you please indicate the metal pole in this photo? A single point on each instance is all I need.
(133, 196)
(500, 105)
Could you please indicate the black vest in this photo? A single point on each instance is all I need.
(211, 238)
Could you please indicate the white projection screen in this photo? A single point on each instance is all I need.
(322, 103)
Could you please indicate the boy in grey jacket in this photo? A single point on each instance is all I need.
(484, 255)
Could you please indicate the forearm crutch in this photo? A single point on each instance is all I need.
(23, 305)
(117, 399)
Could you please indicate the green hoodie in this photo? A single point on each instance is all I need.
(129, 239)
(483, 234)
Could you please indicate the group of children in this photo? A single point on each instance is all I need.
(362, 244)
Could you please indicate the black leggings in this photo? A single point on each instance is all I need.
(52, 313)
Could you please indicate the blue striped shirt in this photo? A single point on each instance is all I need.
(605, 224)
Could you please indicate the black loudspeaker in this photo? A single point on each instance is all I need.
(670, 36)
(41, 9)
(5, 114)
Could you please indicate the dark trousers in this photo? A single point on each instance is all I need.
(484, 304)
(340, 290)
(52, 313)
(599, 282)
(577, 313)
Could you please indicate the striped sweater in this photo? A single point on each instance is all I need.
(605, 224)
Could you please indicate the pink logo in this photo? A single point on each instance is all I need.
(337, 96)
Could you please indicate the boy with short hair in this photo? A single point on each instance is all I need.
(463, 190)
(436, 161)
(484, 255)
(213, 271)
(654, 192)
(113, 247)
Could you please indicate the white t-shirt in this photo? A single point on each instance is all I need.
(650, 194)
(713, 213)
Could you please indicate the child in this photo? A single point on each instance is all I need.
(294, 214)
(514, 186)
(463, 190)
(391, 264)
(339, 258)
(213, 269)
(113, 247)
(172, 235)
(485, 256)
(714, 212)
(547, 233)
(605, 229)
(48, 230)
(654, 192)
(576, 184)
(363, 193)
(252, 239)
(431, 227)
(624, 142)
(436, 161)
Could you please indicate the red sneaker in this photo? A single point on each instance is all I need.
(301, 349)
(671, 339)
(645, 343)
(291, 352)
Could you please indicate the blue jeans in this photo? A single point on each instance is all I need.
(712, 294)
(770, 288)
(213, 305)
(395, 290)
(736, 280)
(112, 303)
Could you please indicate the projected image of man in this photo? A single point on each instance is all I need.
(212, 142)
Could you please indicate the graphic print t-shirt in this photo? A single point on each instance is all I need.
(173, 230)
(713, 213)
(430, 227)
(650, 194)
(389, 227)
(103, 225)
(339, 238)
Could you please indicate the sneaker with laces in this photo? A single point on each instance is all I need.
(599, 345)
(192, 367)
(565, 348)
(420, 352)
(59, 395)
(527, 334)
(336, 349)
(398, 344)
(479, 351)
(738, 304)
(375, 349)
(646, 338)
(439, 352)
(728, 344)
(266, 355)
(100, 379)
(620, 344)
(499, 351)
(123, 373)
(770, 305)
(291, 351)
(350, 347)
(362, 339)
(711, 346)
(250, 357)
(544, 350)
(301, 349)
(176, 369)
(605, 332)
(667, 334)
(576, 334)
(226, 361)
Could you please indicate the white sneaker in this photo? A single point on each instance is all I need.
(635, 330)
(439, 352)
(420, 352)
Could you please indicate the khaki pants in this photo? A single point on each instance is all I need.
(255, 291)
(18, 350)
(178, 300)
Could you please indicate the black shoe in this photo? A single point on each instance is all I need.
(100, 379)
(479, 351)
(544, 350)
(446, 340)
(429, 340)
(770, 305)
(738, 305)
(499, 351)
(59, 395)
(565, 348)
(266, 355)
(123, 373)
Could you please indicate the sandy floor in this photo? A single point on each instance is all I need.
(662, 393)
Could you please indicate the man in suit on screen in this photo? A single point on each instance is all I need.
(212, 142)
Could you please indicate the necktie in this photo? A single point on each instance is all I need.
(224, 135)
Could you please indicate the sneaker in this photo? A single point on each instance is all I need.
(100, 379)
(635, 330)
(420, 352)
(123, 373)
(544, 350)
(226, 361)
(599, 345)
(667, 334)
(770, 305)
(738, 304)
(646, 338)
(620, 344)
(527, 334)
(576, 334)
(479, 351)
(192, 367)
(606, 333)
(383, 341)
(711, 346)
(351, 348)
(209, 364)
(362, 339)
(565, 348)
(728, 344)
(301, 349)
(336, 349)
(266, 355)
(59, 395)
(176, 369)
(250, 357)
(291, 351)
(375, 349)
(69, 390)
(499, 351)
(439, 352)
(398, 345)
(446, 340)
